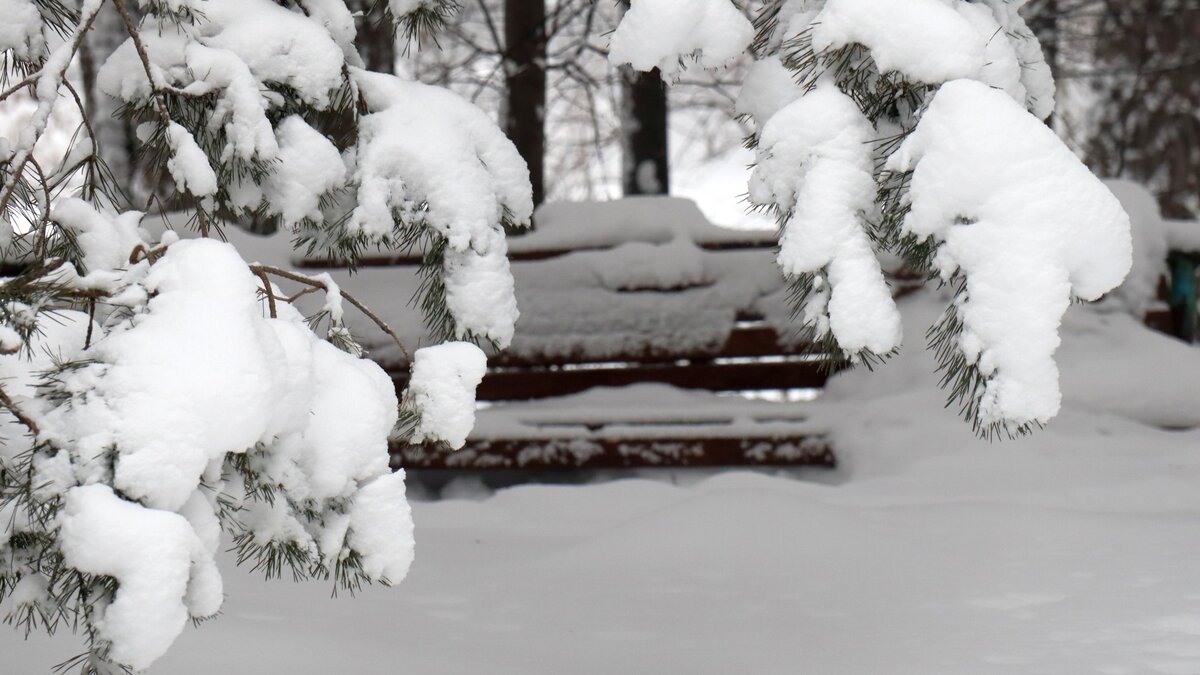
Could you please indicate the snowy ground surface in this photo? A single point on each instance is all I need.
(1074, 551)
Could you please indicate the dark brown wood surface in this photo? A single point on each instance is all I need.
(751, 359)
(522, 384)
(618, 452)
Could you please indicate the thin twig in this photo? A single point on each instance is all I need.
(300, 293)
(35, 273)
(40, 238)
(317, 283)
(87, 341)
(12, 407)
(203, 220)
(42, 114)
(160, 100)
(262, 274)
(89, 191)
(136, 36)
(29, 80)
(140, 253)
(83, 115)
(162, 208)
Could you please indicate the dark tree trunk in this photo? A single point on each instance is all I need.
(376, 38)
(1043, 21)
(114, 135)
(644, 122)
(644, 131)
(1147, 59)
(525, 105)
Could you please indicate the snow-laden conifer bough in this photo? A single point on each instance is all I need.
(911, 129)
(161, 392)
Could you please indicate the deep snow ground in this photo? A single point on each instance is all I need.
(1095, 572)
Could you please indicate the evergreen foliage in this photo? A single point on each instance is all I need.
(210, 111)
(893, 103)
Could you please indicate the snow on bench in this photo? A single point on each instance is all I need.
(643, 331)
(568, 227)
(643, 328)
(1161, 287)
(639, 425)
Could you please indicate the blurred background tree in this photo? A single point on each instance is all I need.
(1128, 74)
(585, 129)
(1129, 83)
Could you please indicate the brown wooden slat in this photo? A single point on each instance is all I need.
(609, 453)
(1161, 320)
(525, 384)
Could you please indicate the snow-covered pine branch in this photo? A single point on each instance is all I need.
(914, 128)
(160, 392)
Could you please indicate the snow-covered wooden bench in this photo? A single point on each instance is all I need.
(647, 337)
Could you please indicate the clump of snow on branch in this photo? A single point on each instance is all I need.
(220, 372)
(151, 554)
(105, 240)
(927, 40)
(768, 87)
(189, 166)
(61, 338)
(933, 41)
(450, 156)
(158, 415)
(21, 30)
(338, 20)
(884, 62)
(663, 33)
(1034, 72)
(1027, 226)
(236, 50)
(814, 163)
(442, 391)
(277, 44)
(10, 340)
(439, 160)
(380, 528)
(308, 166)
